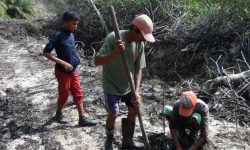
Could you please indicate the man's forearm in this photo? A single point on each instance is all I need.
(103, 59)
(137, 80)
(53, 58)
(200, 142)
(175, 137)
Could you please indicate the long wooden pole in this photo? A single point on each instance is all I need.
(129, 74)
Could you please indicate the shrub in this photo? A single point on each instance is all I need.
(3, 8)
(232, 10)
(186, 30)
(16, 8)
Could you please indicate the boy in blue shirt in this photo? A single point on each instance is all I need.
(66, 74)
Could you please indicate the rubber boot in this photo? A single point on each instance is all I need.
(109, 139)
(128, 128)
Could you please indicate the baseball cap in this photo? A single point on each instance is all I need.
(145, 25)
(187, 102)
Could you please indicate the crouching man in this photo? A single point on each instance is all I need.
(187, 118)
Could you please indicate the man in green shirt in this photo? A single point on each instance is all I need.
(115, 82)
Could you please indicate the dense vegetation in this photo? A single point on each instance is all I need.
(16, 9)
(191, 10)
(193, 31)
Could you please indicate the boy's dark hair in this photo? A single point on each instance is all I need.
(69, 16)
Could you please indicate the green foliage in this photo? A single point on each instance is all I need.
(3, 8)
(233, 10)
(127, 9)
(191, 11)
(25, 8)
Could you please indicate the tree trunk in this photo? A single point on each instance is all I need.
(240, 82)
(100, 16)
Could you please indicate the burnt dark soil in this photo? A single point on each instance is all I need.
(28, 92)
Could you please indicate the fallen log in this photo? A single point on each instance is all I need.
(239, 82)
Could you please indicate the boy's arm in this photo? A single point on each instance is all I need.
(47, 53)
(53, 58)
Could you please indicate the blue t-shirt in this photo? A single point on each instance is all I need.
(64, 43)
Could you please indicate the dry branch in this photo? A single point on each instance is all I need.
(236, 80)
(100, 16)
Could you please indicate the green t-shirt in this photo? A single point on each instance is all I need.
(114, 75)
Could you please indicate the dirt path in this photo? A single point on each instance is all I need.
(28, 99)
(28, 90)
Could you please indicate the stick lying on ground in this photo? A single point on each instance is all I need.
(129, 74)
(237, 79)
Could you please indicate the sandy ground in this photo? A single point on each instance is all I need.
(28, 92)
(28, 79)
